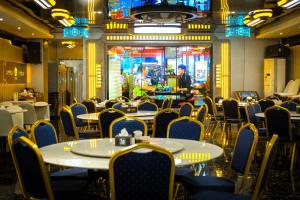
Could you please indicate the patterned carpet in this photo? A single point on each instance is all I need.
(279, 184)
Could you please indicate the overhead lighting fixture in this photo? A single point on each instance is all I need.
(69, 44)
(63, 16)
(45, 4)
(157, 28)
(1, 19)
(163, 13)
(288, 3)
(257, 17)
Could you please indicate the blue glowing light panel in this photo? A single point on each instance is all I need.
(120, 9)
(239, 31)
(76, 32)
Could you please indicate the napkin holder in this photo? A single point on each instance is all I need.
(123, 140)
(129, 109)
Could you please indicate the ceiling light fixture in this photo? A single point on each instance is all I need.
(163, 13)
(69, 44)
(45, 4)
(288, 3)
(1, 19)
(257, 17)
(157, 28)
(63, 16)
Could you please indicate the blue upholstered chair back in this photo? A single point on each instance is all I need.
(43, 133)
(162, 121)
(67, 121)
(264, 173)
(186, 128)
(78, 109)
(147, 106)
(265, 103)
(90, 106)
(30, 167)
(244, 148)
(291, 106)
(231, 109)
(106, 117)
(110, 103)
(251, 114)
(137, 176)
(186, 110)
(123, 99)
(131, 124)
(202, 112)
(256, 107)
(14, 134)
(278, 121)
(117, 106)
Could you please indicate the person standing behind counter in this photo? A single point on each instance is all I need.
(142, 83)
(184, 80)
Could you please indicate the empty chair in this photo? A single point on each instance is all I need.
(147, 175)
(110, 103)
(90, 105)
(231, 114)
(79, 109)
(265, 103)
(147, 106)
(186, 110)
(261, 182)
(69, 126)
(29, 116)
(185, 128)
(6, 125)
(119, 105)
(161, 122)
(42, 110)
(106, 117)
(251, 110)
(34, 178)
(202, 113)
(291, 106)
(131, 124)
(43, 133)
(242, 158)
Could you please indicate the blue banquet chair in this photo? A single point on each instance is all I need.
(90, 106)
(131, 124)
(147, 106)
(290, 105)
(105, 118)
(261, 182)
(243, 156)
(251, 110)
(186, 110)
(142, 175)
(110, 103)
(161, 122)
(202, 113)
(79, 109)
(265, 103)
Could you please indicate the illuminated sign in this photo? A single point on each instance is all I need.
(76, 32)
(237, 20)
(239, 31)
(81, 21)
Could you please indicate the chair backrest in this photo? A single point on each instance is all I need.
(265, 169)
(119, 105)
(131, 124)
(212, 110)
(75, 100)
(290, 105)
(31, 170)
(278, 121)
(202, 113)
(142, 175)
(110, 103)
(68, 123)
(161, 122)
(250, 113)
(231, 109)
(106, 117)
(185, 128)
(147, 106)
(43, 133)
(123, 99)
(244, 150)
(78, 109)
(265, 103)
(15, 133)
(6, 122)
(29, 116)
(167, 103)
(256, 107)
(186, 110)
(90, 105)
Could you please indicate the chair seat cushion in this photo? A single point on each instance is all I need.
(209, 195)
(180, 172)
(196, 184)
(86, 134)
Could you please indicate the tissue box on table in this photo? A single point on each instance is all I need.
(123, 138)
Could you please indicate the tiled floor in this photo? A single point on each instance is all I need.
(279, 182)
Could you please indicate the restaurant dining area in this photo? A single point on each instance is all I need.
(150, 99)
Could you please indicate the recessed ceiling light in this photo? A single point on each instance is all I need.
(19, 27)
(1, 19)
(280, 33)
(97, 12)
(32, 34)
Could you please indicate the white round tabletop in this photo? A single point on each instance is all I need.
(12, 111)
(61, 154)
(294, 116)
(143, 115)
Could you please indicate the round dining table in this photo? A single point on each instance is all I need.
(295, 117)
(96, 153)
(143, 115)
